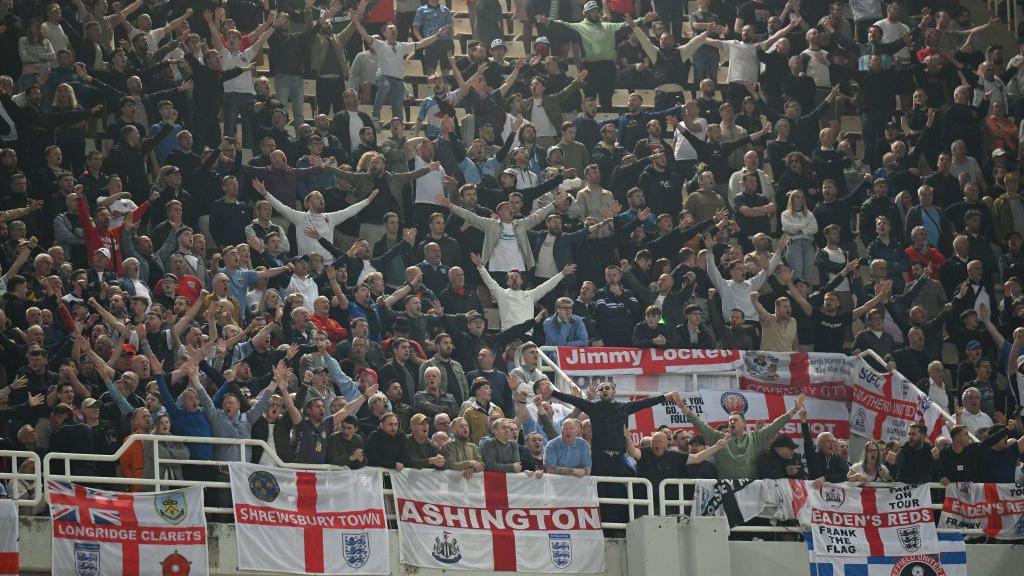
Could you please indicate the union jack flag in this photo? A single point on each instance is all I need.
(81, 505)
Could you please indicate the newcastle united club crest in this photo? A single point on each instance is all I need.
(264, 486)
(355, 549)
(87, 559)
(560, 546)
(171, 507)
(446, 549)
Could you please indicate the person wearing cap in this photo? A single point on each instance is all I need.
(598, 40)
(423, 452)
(658, 462)
(781, 461)
(172, 190)
(478, 410)
(100, 234)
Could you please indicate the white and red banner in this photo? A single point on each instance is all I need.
(302, 522)
(850, 521)
(603, 361)
(885, 404)
(715, 406)
(818, 375)
(499, 522)
(96, 532)
(8, 538)
(741, 500)
(998, 509)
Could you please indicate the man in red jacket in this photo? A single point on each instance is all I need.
(98, 234)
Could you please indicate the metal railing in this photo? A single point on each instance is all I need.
(636, 504)
(14, 477)
(685, 507)
(638, 498)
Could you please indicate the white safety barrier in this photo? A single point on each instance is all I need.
(636, 501)
(684, 506)
(57, 466)
(14, 478)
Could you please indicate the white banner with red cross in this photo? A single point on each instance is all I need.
(849, 520)
(885, 404)
(998, 509)
(96, 532)
(819, 375)
(715, 406)
(499, 522)
(306, 522)
(8, 538)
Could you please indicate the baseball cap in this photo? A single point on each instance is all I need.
(104, 251)
(172, 169)
(973, 345)
(301, 258)
(474, 316)
(370, 371)
(497, 43)
(784, 442)
(318, 368)
(542, 40)
(510, 172)
(170, 276)
(591, 5)
(89, 402)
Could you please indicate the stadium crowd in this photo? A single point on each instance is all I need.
(185, 252)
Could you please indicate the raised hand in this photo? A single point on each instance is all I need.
(475, 259)
(259, 187)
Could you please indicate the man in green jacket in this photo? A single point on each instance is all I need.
(738, 460)
(544, 111)
(598, 40)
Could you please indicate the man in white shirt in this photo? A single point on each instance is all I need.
(314, 219)
(238, 92)
(744, 64)
(893, 29)
(429, 186)
(516, 305)
(302, 282)
(970, 414)
(154, 36)
(735, 292)
(391, 55)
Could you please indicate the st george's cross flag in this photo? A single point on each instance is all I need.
(850, 520)
(885, 404)
(950, 560)
(96, 533)
(998, 509)
(499, 522)
(8, 538)
(306, 522)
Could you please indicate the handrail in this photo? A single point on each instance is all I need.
(633, 503)
(636, 505)
(15, 476)
(685, 506)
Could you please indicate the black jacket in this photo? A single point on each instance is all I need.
(833, 468)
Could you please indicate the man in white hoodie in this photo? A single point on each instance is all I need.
(516, 305)
(314, 219)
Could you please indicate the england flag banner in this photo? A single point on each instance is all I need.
(499, 522)
(853, 521)
(96, 533)
(998, 509)
(885, 404)
(715, 406)
(603, 361)
(306, 522)
(819, 375)
(8, 538)
(951, 560)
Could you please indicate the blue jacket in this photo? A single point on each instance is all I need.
(187, 423)
(557, 333)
